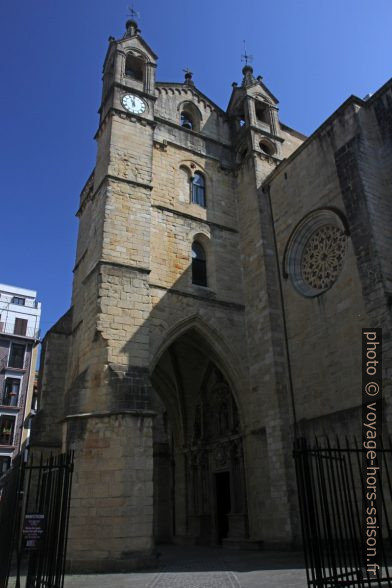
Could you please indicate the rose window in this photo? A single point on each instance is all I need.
(316, 252)
(323, 256)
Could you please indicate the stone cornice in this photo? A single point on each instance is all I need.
(261, 131)
(351, 101)
(204, 299)
(144, 185)
(178, 127)
(123, 266)
(125, 115)
(113, 178)
(126, 88)
(195, 91)
(224, 166)
(194, 218)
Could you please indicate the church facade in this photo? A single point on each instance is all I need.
(225, 266)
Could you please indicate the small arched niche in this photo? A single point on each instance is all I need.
(134, 67)
(184, 184)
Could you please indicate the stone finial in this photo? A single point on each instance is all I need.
(188, 77)
(131, 28)
(249, 78)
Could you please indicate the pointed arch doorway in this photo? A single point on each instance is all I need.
(199, 477)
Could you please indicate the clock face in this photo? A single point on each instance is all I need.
(133, 104)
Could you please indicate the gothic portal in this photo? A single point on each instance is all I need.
(199, 479)
(225, 266)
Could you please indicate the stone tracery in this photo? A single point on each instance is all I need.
(316, 251)
(323, 256)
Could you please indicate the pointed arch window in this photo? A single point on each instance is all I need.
(198, 190)
(199, 265)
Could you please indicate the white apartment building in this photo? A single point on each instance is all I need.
(20, 314)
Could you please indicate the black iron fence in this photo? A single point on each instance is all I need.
(10, 485)
(331, 489)
(34, 514)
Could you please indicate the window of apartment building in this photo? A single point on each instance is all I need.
(11, 392)
(7, 429)
(20, 327)
(18, 300)
(5, 464)
(16, 357)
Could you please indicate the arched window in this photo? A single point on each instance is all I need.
(199, 266)
(263, 113)
(186, 120)
(134, 67)
(198, 190)
(190, 116)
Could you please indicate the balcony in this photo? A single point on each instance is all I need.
(28, 302)
(10, 395)
(6, 438)
(15, 358)
(12, 329)
(7, 427)
(9, 400)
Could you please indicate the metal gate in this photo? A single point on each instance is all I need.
(34, 514)
(331, 489)
(10, 485)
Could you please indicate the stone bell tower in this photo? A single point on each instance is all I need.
(174, 321)
(260, 144)
(109, 419)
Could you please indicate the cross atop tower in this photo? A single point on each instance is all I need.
(245, 57)
(131, 24)
(132, 13)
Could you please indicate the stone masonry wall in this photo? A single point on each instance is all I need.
(47, 430)
(324, 332)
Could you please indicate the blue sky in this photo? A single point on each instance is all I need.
(312, 55)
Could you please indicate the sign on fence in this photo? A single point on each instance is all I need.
(33, 530)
